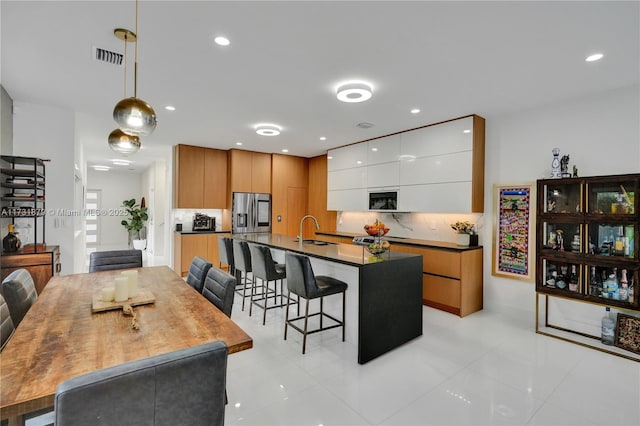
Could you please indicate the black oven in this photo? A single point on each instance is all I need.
(383, 200)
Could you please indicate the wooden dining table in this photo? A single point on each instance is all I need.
(61, 337)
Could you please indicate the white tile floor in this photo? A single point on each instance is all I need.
(488, 368)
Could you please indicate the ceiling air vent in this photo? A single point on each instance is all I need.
(365, 125)
(104, 55)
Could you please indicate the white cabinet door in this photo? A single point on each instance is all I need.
(347, 200)
(445, 138)
(452, 197)
(383, 150)
(347, 157)
(454, 167)
(386, 174)
(347, 178)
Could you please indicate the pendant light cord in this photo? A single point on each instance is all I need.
(135, 66)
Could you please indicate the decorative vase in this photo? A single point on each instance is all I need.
(556, 171)
(139, 244)
(462, 240)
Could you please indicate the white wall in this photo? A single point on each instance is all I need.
(115, 187)
(49, 133)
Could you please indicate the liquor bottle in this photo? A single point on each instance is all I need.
(624, 286)
(11, 242)
(593, 283)
(573, 279)
(608, 328)
(619, 243)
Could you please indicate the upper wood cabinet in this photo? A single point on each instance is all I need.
(200, 177)
(289, 185)
(249, 171)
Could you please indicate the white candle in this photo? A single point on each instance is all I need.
(122, 289)
(108, 293)
(132, 275)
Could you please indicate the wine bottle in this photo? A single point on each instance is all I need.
(573, 279)
(11, 242)
(595, 285)
(624, 286)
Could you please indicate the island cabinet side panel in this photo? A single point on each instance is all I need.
(390, 312)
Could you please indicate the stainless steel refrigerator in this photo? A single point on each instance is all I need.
(251, 212)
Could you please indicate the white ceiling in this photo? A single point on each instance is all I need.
(447, 58)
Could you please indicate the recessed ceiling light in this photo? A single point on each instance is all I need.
(594, 57)
(374, 149)
(170, 108)
(354, 91)
(329, 157)
(101, 168)
(222, 41)
(466, 131)
(322, 138)
(358, 162)
(415, 111)
(266, 129)
(121, 162)
(285, 150)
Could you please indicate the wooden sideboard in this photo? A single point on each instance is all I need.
(42, 264)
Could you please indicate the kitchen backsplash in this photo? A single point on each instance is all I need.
(185, 217)
(424, 226)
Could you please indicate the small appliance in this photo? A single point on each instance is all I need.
(202, 222)
(383, 200)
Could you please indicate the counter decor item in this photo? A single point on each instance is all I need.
(377, 230)
(556, 171)
(10, 242)
(137, 218)
(463, 232)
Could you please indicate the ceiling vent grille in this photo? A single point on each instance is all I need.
(104, 55)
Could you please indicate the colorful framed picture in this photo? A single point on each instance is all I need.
(628, 333)
(513, 242)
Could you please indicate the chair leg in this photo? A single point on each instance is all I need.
(306, 321)
(321, 310)
(251, 294)
(266, 301)
(344, 320)
(286, 316)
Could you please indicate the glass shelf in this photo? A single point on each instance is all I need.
(616, 198)
(562, 197)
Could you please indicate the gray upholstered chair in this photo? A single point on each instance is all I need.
(302, 282)
(242, 264)
(225, 251)
(219, 289)
(184, 387)
(114, 259)
(19, 293)
(6, 324)
(197, 272)
(265, 268)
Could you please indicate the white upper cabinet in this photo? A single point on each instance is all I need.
(455, 167)
(444, 138)
(347, 178)
(347, 157)
(383, 150)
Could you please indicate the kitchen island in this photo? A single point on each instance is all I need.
(384, 299)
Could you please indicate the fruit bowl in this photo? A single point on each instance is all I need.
(376, 249)
(376, 230)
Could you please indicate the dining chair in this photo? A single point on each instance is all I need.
(302, 282)
(6, 324)
(219, 289)
(197, 272)
(184, 387)
(19, 293)
(114, 259)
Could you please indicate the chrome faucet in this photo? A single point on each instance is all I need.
(302, 221)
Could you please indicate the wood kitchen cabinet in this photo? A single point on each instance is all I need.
(188, 246)
(249, 171)
(41, 265)
(451, 279)
(289, 186)
(200, 177)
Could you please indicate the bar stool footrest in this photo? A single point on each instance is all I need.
(338, 323)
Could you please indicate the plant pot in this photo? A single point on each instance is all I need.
(139, 244)
(462, 240)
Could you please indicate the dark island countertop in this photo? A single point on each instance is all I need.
(347, 254)
(406, 241)
(202, 232)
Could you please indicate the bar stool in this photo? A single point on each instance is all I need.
(242, 266)
(225, 249)
(302, 282)
(265, 268)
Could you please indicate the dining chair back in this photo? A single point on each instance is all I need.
(197, 272)
(6, 324)
(219, 289)
(19, 293)
(114, 259)
(184, 387)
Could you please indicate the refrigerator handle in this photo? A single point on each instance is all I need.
(255, 214)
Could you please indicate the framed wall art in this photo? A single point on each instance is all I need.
(628, 333)
(513, 242)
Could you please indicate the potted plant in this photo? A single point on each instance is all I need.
(464, 230)
(137, 218)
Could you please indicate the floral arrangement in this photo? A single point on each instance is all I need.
(463, 227)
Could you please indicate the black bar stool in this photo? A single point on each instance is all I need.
(302, 282)
(225, 252)
(242, 267)
(265, 268)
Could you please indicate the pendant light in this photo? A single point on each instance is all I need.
(134, 116)
(119, 141)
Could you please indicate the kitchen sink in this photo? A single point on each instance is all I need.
(316, 242)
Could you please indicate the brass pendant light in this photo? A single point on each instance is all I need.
(134, 116)
(119, 141)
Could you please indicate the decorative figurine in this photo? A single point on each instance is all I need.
(575, 171)
(555, 164)
(564, 166)
(551, 206)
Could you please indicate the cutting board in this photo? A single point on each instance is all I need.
(143, 297)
